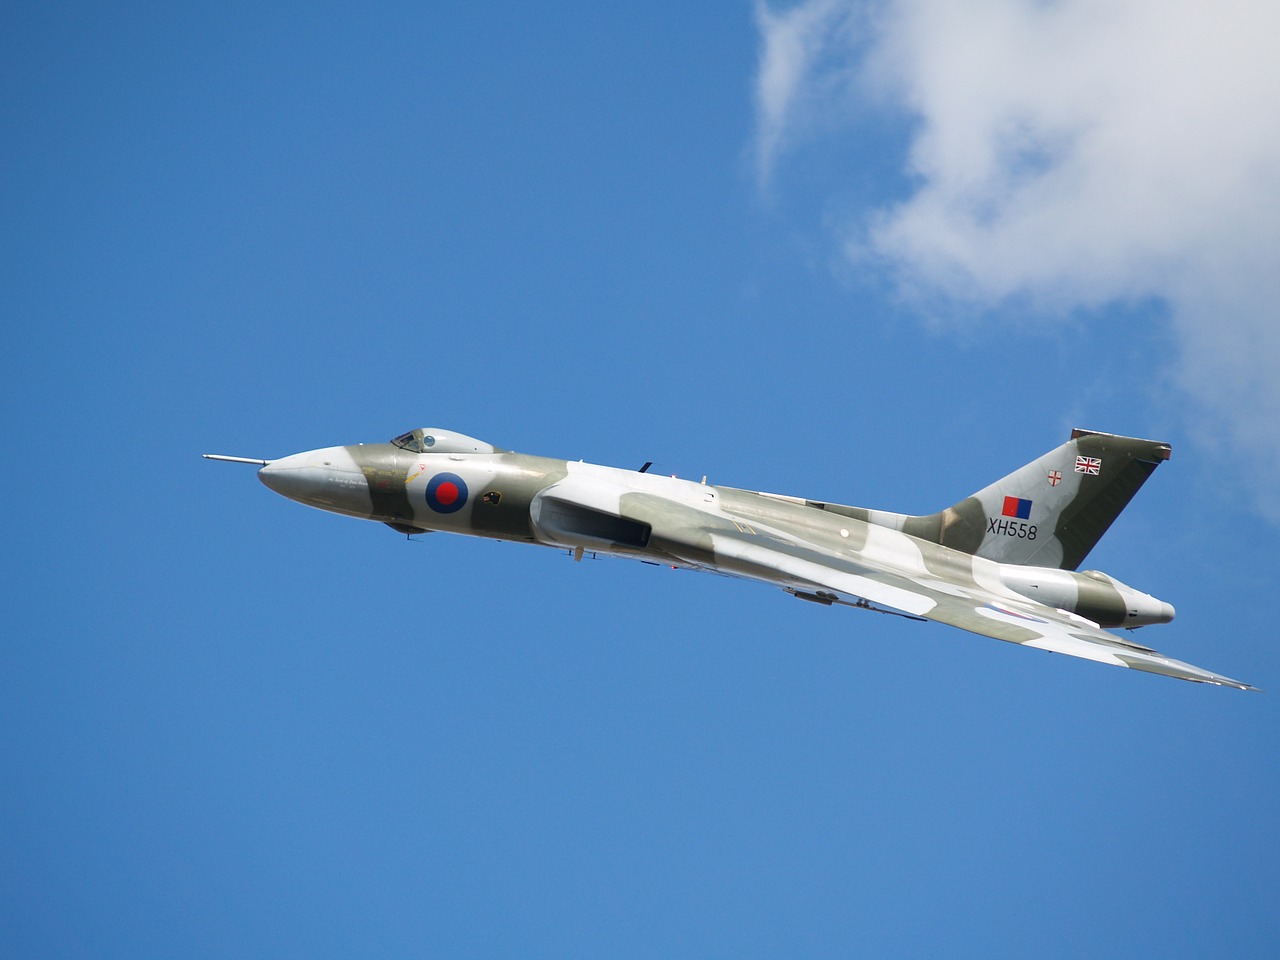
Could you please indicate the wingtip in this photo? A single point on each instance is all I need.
(1237, 684)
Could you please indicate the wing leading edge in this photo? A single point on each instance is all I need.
(791, 563)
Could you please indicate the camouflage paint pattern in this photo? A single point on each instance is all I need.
(1001, 563)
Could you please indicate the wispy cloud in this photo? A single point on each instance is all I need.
(803, 50)
(1071, 153)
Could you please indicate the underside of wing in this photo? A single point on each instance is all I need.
(800, 566)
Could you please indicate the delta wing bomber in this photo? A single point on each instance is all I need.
(1002, 563)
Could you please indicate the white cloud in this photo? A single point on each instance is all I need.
(1069, 153)
(793, 78)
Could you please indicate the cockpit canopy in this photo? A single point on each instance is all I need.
(433, 440)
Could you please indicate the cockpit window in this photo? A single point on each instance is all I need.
(431, 440)
(411, 441)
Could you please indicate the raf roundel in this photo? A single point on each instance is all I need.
(446, 493)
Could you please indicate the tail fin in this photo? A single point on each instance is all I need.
(1053, 511)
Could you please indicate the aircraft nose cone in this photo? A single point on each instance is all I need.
(328, 479)
(1167, 612)
(286, 477)
(269, 474)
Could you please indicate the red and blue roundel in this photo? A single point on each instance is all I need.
(446, 493)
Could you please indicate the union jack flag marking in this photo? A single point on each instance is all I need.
(1090, 465)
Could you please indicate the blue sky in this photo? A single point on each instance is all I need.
(737, 242)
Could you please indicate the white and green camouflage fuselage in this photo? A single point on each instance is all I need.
(999, 563)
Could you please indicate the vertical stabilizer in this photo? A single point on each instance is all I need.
(1053, 511)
